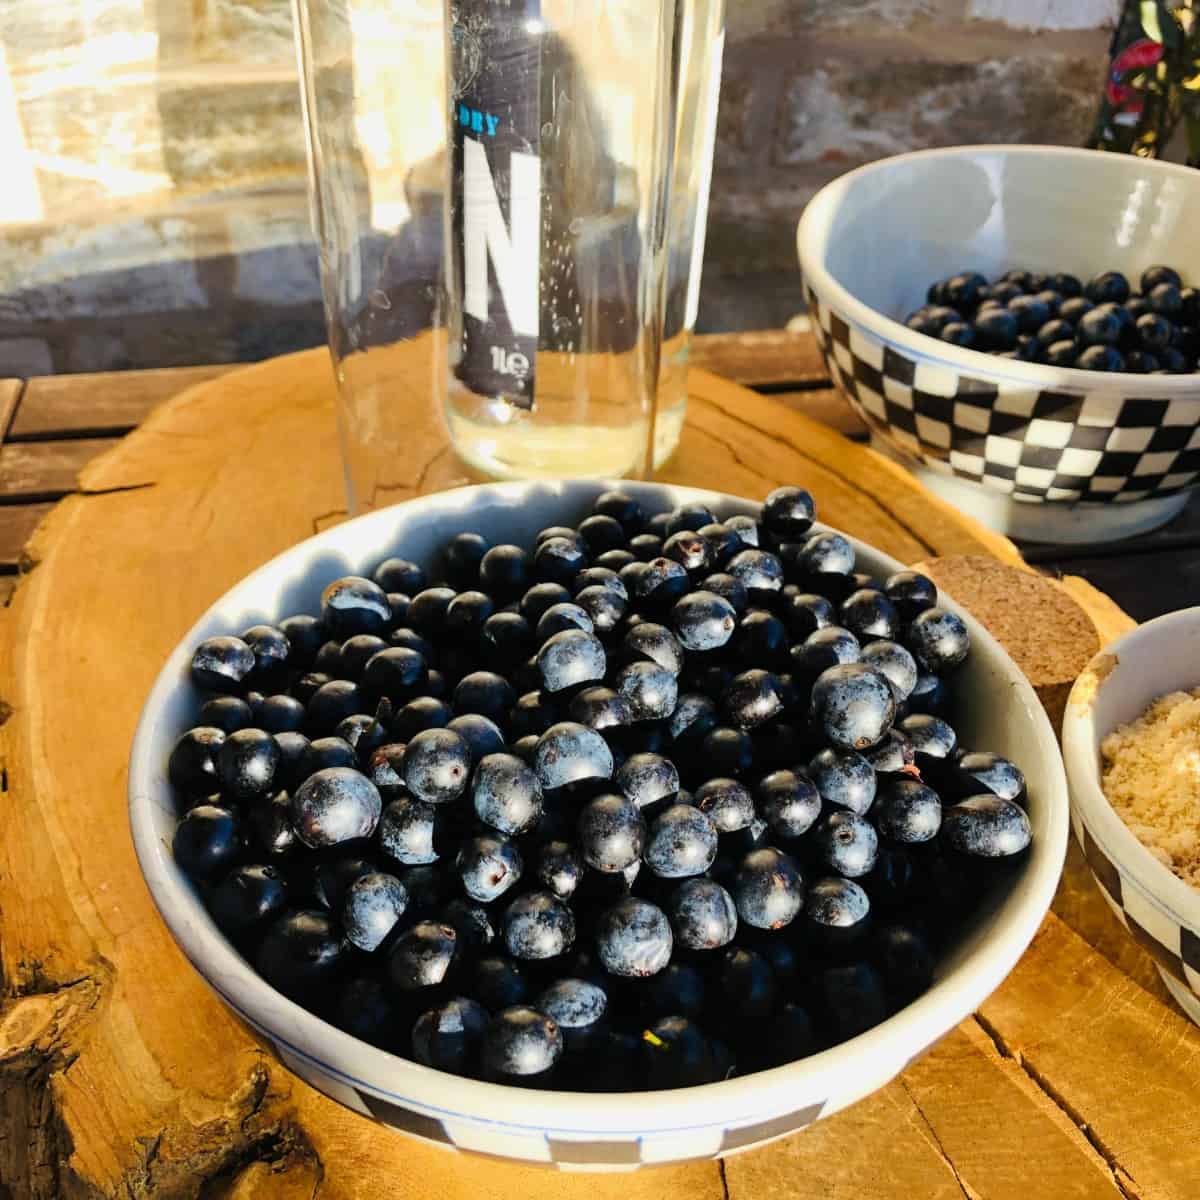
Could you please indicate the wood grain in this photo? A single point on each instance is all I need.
(17, 523)
(36, 471)
(104, 403)
(769, 356)
(10, 395)
(121, 1075)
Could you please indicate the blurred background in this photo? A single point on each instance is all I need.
(154, 213)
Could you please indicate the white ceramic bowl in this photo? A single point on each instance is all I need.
(1161, 912)
(1041, 452)
(572, 1130)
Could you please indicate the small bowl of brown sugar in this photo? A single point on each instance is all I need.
(1131, 742)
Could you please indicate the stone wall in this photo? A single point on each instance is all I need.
(155, 212)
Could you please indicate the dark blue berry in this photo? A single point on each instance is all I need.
(484, 693)
(353, 605)
(990, 772)
(408, 832)
(805, 612)
(682, 842)
(425, 712)
(371, 908)
(828, 647)
(727, 751)
(422, 956)
(498, 983)
(757, 570)
(760, 640)
(504, 573)
(996, 328)
(851, 999)
(986, 827)
(891, 755)
(437, 765)
(651, 690)
(226, 713)
(560, 617)
(621, 507)
(835, 912)
(695, 715)
(221, 664)
(600, 708)
(753, 698)
(506, 793)
(768, 889)
(702, 913)
(559, 869)
(1107, 287)
(633, 939)
(905, 961)
(788, 513)
(867, 614)
(482, 735)
(301, 954)
(611, 833)
(908, 812)
(247, 897)
(280, 714)
(789, 802)
(703, 621)
(338, 804)
(676, 1054)
(569, 659)
(938, 639)
(506, 639)
(650, 642)
(844, 778)
(192, 766)
(449, 1036)
(489, 866)
(847, 843)
(246, 763)
(520, 1045)
(471, 923)
(853, 705)
(605, 607)
(538, 925)
(331, 704)
(727, 803)
(568, 753)
(747, 985)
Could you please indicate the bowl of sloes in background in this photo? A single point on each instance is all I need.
(1020, 326)
(595, 827)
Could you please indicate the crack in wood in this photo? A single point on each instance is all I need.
(825, 464)
(819, 463)
(724, 1178)
(968, 1193)
(1122, 1179)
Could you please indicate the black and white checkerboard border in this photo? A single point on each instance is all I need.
(1032, 444)
(1174, 947)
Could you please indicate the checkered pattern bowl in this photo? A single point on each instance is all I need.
(1161, 912)
(1041, 452)
(572, 1130)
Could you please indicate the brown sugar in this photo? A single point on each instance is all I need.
(1151, 776)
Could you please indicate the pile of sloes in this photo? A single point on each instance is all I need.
(661, 799)
(1102, 325)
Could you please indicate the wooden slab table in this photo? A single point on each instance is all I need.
(121, 1075)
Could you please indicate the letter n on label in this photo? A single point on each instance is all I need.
(514, 254)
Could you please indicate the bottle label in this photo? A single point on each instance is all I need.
(496, 193)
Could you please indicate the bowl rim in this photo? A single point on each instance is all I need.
(1081, 754)
(813, 236)
(726, 1104)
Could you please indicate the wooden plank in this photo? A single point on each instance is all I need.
(946, 1128)
(17, 523)
(769, 356)
(10, 395)
(1116, 1061)
(153, 1054)
(828, 406)
(102, 403)
(34, 471)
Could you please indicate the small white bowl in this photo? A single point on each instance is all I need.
(1000, 711)
(1039, 452)
(1161, 912)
